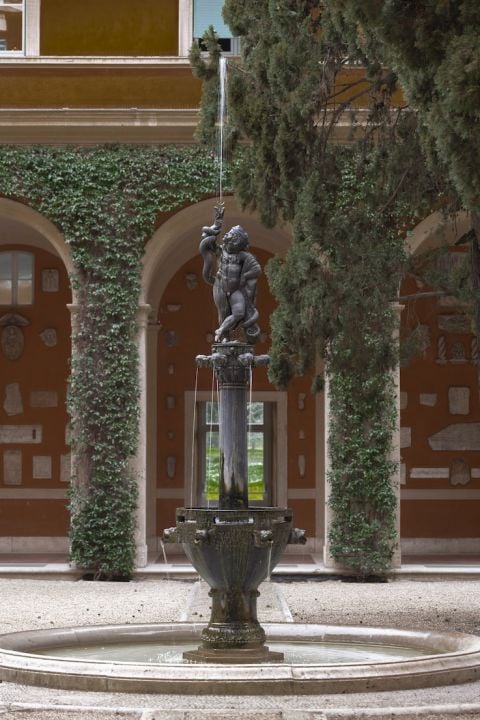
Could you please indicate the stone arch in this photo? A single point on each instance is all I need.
(436, 229)
(47, 236)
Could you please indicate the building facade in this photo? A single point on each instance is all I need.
(116, 72)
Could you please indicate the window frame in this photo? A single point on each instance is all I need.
(14, 278)
(279, 447)
(22, 52)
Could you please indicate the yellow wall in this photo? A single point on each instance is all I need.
(109, 27)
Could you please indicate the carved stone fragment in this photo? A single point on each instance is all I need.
(13, 404)
(171, 369)
(457, 354)
(12, 467)
(428, 399)
(25, 434)
(171, 338)
(458, 436)
(459, 472)
(405, 437)
(191, 281)
(49, 337)
(43, 398)
(42, 467)
(455, 324)
(171, 466)
(429, 473)
(459, 400)
(403, 400)
(170, 402)
(12, 339)
(301, 434)
(65, 467)
(403, 474)
(301, 465)
(301, 401)
(50, 280)
(173, 307)
(441, 351)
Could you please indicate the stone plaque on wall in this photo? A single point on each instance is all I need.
(459, 472)
(25, 434)
(459, 400)
(456, 324)
(13, 399)
(65, 468)
(43, 398)
(428, 399)
(50, 280)
(12, 467)
(459, 436)
(49, 337)
(405, 437)
(42, 467)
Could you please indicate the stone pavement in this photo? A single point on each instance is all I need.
(36, 603)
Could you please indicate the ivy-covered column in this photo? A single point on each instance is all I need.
(396, 445)
(138, 464)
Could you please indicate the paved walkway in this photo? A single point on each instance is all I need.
(452, 604)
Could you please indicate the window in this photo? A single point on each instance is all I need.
(259, 442)
(209, 12)
(11, 26)
(16, 278)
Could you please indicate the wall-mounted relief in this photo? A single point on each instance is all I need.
(301, 401)
(455, 324)
(68, 434)
(42, 467)
(301, 465)
(13, 404)
(428, 399)
(458, 437)
(49, 337)
(403, 473)
(405, 437)
(50, 280)
(170, 435)
(403, 400)
(65, 467)
(173, 307)
(301, 434)
(459, 472)
(43, 399)
(171, 338)
(459, 400)
(12, 467)
(191, 281)
(12, 339)
(474, 351)
(171, 369)
(457, 354)
(171, 466)
(441, 351)
(170, 402)
(24, 434)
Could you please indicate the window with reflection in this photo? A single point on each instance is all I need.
(259, 442)
(209, 12)
(16, 278)
(11, 26)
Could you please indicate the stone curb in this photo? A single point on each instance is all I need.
(78, 712)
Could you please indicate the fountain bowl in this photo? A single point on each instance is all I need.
(436, 658)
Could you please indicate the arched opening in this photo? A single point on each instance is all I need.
(440, 410)
(182, 320)
(34, 366)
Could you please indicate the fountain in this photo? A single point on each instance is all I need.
(233, 547)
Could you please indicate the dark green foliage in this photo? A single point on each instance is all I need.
(105, 201)
(347, 206)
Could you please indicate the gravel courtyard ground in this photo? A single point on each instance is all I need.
(452, 605)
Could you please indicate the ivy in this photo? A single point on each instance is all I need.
(106, 201)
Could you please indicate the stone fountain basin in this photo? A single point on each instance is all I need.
(451, 658)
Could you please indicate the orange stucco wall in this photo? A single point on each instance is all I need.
(192, 322)
(40, 368)
(109, 27)
(445, 364)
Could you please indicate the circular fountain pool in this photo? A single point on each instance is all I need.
(318, 659)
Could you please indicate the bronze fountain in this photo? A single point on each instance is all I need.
(233, 547)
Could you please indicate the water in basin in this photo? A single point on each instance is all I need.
(296, 652)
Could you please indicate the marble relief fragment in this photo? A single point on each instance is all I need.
(403, 400)
(191, 281)
(301, 401)
(50, 280)
(12, 467)
(170, 402)
(457, 354)
(49, 337)
(171, 338)
(301, 465)
(65, 467)
(43, 399)
(13, 404)
(171, 466)
(42, 467)
(459, 400)
(458, 436)
(428, 399)
(459, 472)
(25, 434)
(405, 437)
